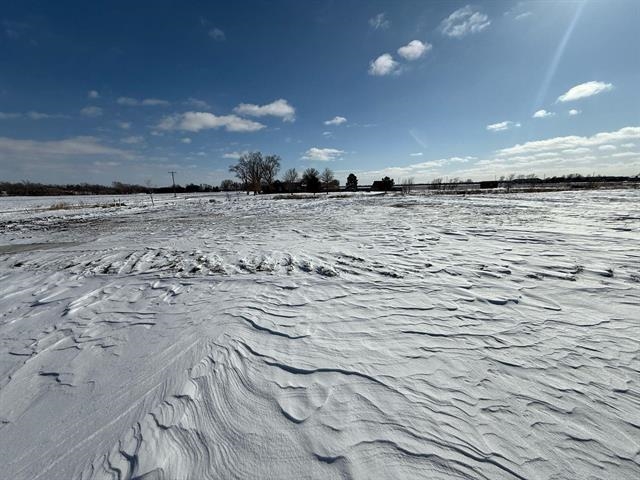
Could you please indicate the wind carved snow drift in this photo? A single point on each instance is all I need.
(362, 337)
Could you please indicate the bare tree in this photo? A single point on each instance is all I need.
(250, 169)
(327, 177)
(270, 168)
(290, 178)
(407, 185)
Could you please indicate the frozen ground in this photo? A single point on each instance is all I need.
(363, 337)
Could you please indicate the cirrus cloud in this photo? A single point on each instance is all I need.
(464, 21)
(379, 22)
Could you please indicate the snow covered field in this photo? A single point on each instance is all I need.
(361, 337)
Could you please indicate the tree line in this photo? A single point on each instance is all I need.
(258, 173)
(27, 188)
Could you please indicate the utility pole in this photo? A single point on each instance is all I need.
(173, 179)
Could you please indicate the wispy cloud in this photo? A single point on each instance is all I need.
(196, 121)
(573, 112)
(217, 34)
(584, 90)
(379, 22)
(464, 21)
(522, 15)
(91, 111)
(147, 102)
(31, 115)
(337, 120)
(68, 147)
(234, 155)
(197, 103)
(414, 50)
(500, 126)
(133, 140)
(383, 65)
(93, 94)
(278, 108)
(322, 154)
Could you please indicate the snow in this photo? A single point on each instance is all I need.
(361, 336)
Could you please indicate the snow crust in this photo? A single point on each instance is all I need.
(361, 337)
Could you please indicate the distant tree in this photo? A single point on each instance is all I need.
(270, 169)
(311, 180)
(387, 184)
(327, 178)
(228, 185)
(290, 178)
(407, 185)
(250, 171)
(352, 182)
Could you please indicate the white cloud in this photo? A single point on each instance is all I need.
(322, 154)
(414, 50)
(628, 145)
(217, 34)
(279, 108)
(626, 155)
(543, 114)
(196, 121)
(383, 65)
(91, 111)
(416, 154)
(573, 141)
(68, 147)
(576, 151)
(584, 90)
(337, 120)
(327, 134)
(500, 126)
(463, 22)
(379, 22)
(147, 102)
(573, 112)
(607, 148)
(133, 140)
(93, 94)
(186, 140)
(552, 156)
(124, 125)
(234, 155)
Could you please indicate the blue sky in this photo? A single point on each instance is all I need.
(97, 92)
